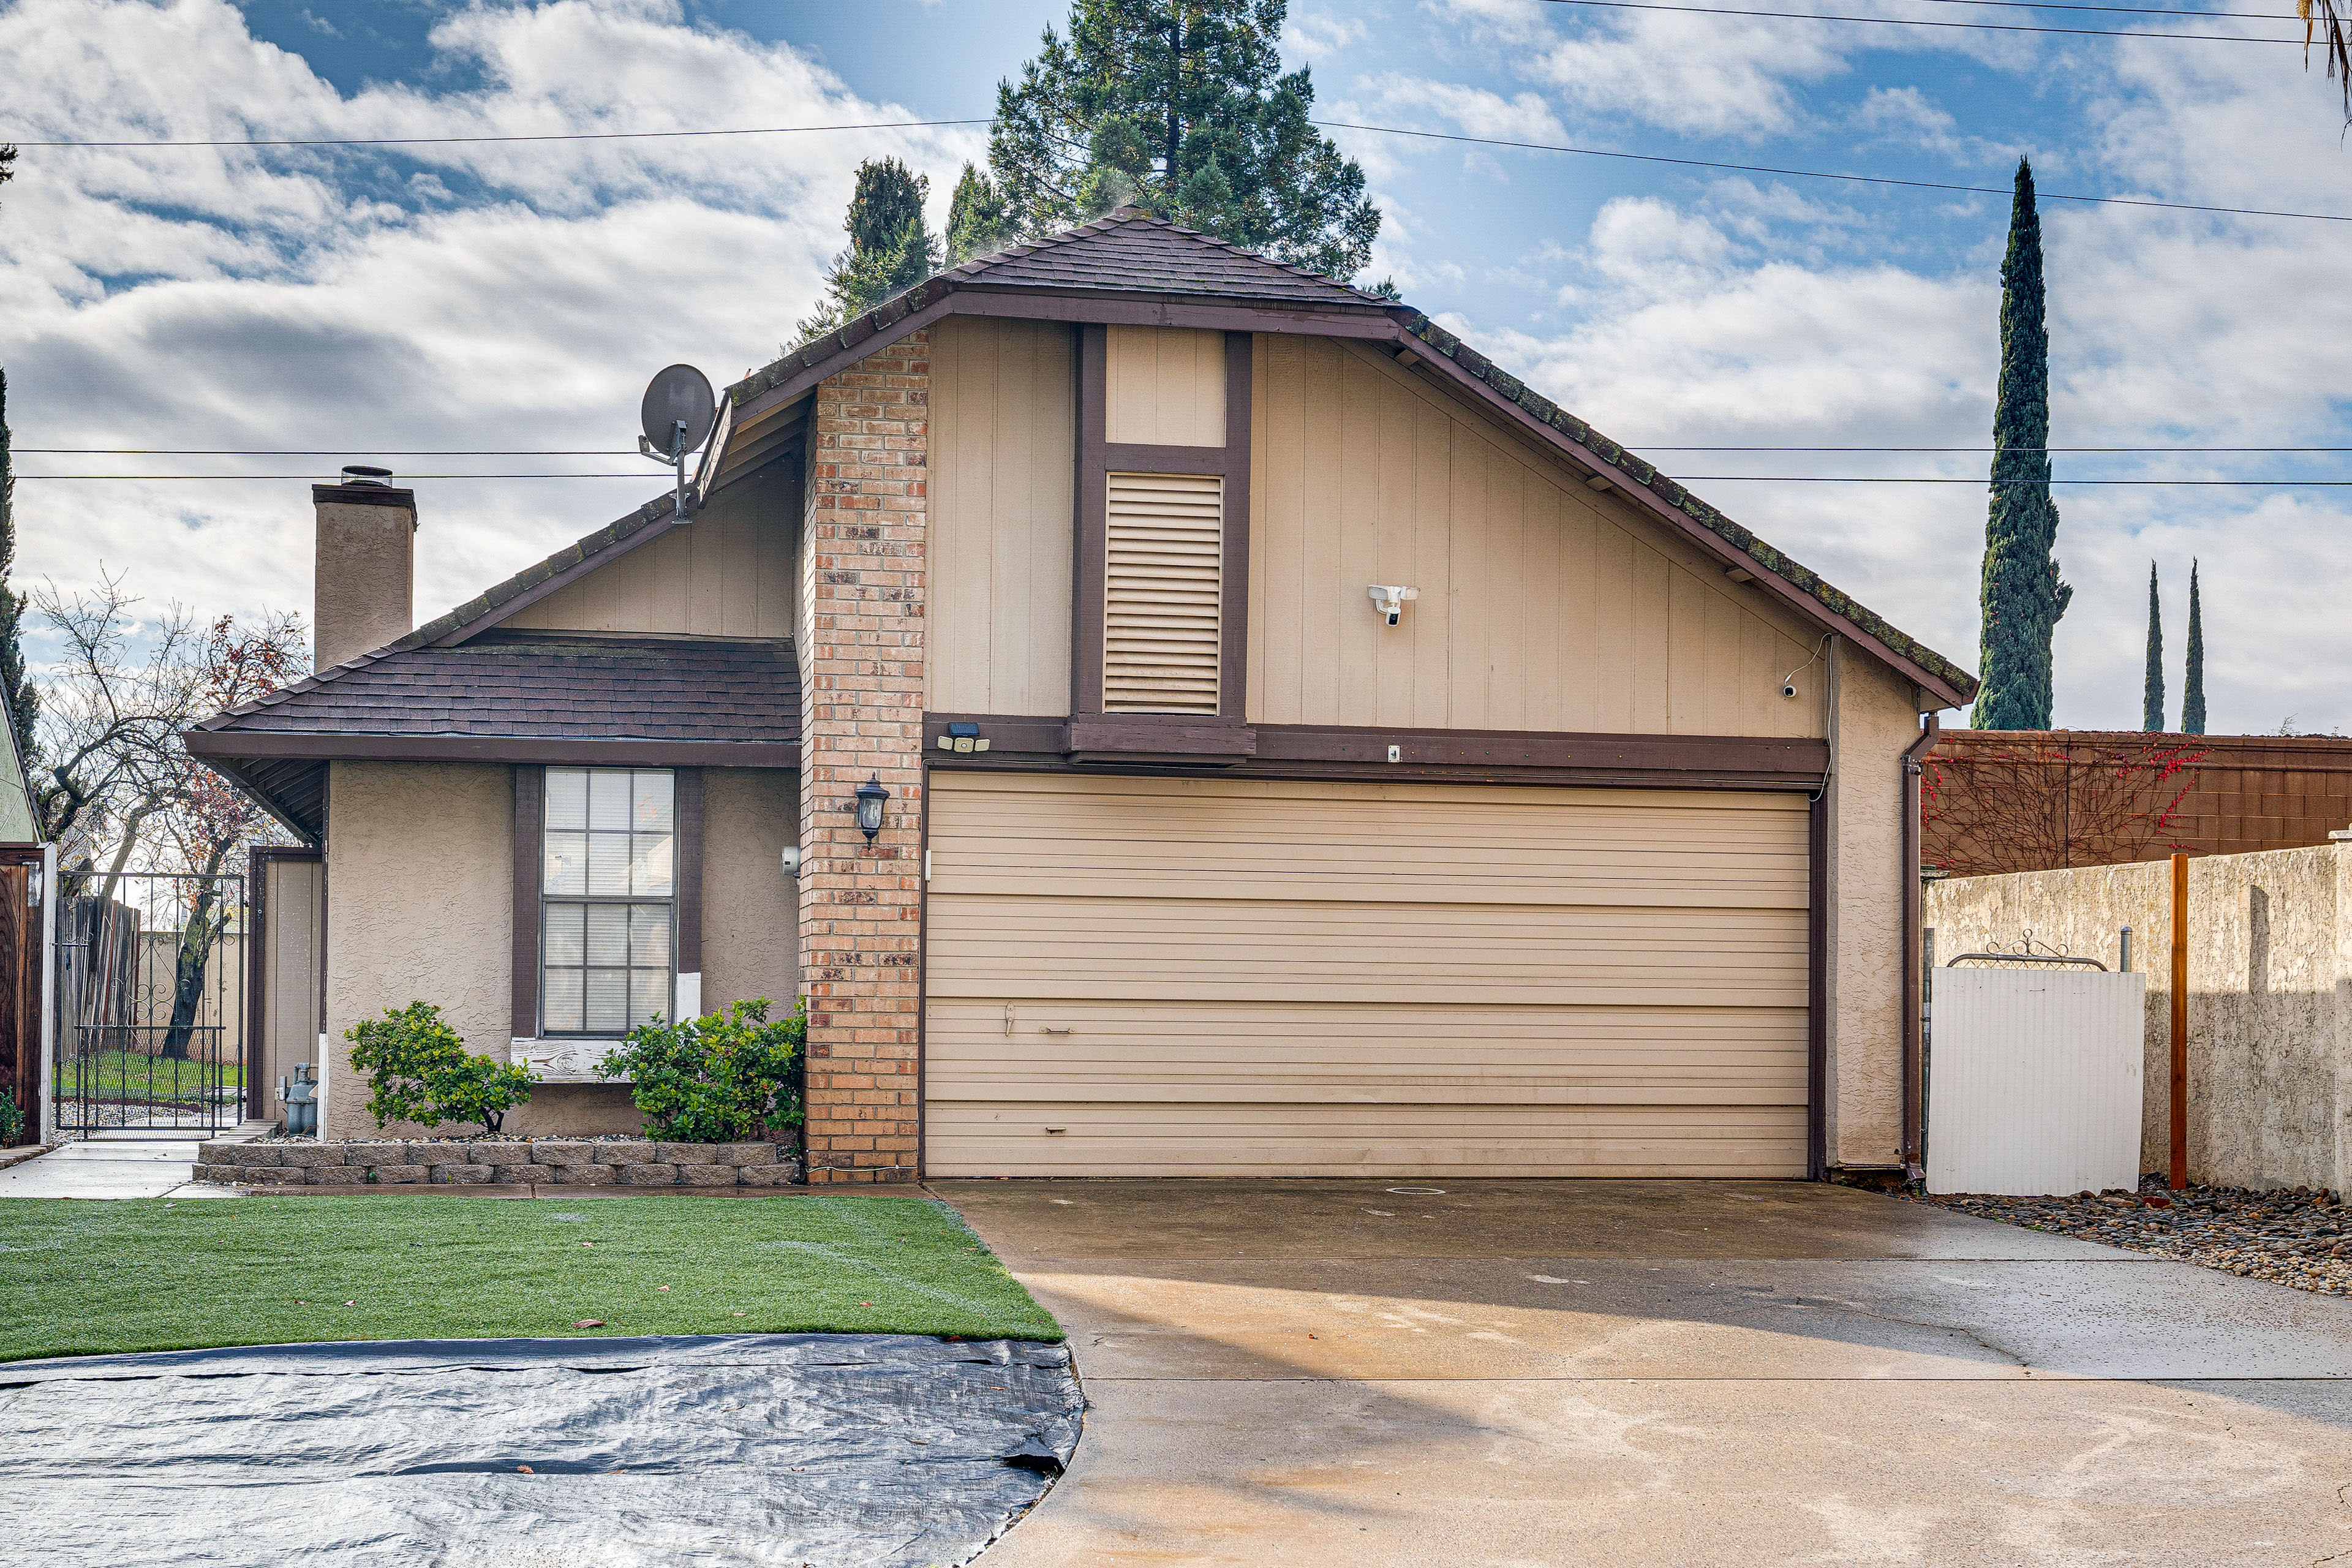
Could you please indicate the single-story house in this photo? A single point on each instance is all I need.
(1302, 750)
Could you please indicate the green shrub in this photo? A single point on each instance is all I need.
(419, 1070)
(12, 1121)
(714, 1080)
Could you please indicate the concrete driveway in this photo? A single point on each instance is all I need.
(1669, 1372)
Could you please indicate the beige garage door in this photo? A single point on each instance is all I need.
(1225, 977)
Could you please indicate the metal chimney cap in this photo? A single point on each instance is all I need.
(366, 474)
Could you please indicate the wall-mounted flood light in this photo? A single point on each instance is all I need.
(870, 796)
(964, 736)
(1391, 600)
(792, 860)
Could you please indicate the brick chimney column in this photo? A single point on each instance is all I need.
(861, 657)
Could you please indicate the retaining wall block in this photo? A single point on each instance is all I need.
(586, 1175)
(515, 1153)
(375, 1154)
(523, 1172)
(782, 1176)
(747, 1153)
(649, 1175)
(549, 1153)
(460, 1175)
(397, 1176)
(272, 1176)
(335, 1175)
(706, 1175)
(626, 1153)
(226, 1175)
(687, 1153)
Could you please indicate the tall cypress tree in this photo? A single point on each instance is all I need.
(2022, 595)
(976, 223)
(2151, 702)
(2192, 696)
(1182, 108)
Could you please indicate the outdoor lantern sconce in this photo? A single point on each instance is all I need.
(870, 796)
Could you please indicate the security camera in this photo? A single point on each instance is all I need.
(1788, 689)
(792, 860)
(1391, 600)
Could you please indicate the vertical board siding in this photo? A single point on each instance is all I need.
(1002, 449)
(1228, 977)
(728, 574)
(1165, 386)
(2035, 1085)
(1543, 606)
(1162, 592)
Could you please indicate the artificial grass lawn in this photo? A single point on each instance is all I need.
(85, 1278)
(116, 1075)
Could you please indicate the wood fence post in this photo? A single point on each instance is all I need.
(2180, 1023)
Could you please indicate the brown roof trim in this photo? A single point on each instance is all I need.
(1798, 586)
(965, 291)
(279, 746)
(580, 560)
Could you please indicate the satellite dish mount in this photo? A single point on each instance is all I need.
(677, 414)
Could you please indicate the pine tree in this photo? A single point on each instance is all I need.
(2022, 595)
(1180, 107)
(2192, 695)
(2151, 703)
(890, 250)
(976, 223)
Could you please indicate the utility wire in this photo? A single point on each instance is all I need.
(325, 452)
(2125, 10)
(1692, 479)
(1327, 124)
(1923, 22)
(542, 136)
(1818, 174)
(1638, 447)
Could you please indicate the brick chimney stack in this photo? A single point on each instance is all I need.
(365, 591)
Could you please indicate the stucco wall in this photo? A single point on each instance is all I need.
(1874, 715)
(751, 910)
(420, 899)
(2270, 995)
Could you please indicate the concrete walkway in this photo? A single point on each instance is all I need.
(113, 1165)
(1659, 1373)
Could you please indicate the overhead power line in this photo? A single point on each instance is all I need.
(532, 136)
(1926, 22)
(1327, 124)
(328, 452)
(1642, 448)
(1689, 478)
(2125, 10)
(1819, 175)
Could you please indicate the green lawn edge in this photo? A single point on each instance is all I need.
(90, 1277)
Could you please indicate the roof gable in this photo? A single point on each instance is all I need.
(1130, 252)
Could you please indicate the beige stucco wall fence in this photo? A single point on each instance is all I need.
(2270, 995)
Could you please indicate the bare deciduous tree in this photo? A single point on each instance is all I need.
(2043, 805)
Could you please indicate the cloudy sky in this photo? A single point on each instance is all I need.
(515, 296)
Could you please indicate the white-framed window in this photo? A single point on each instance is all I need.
(608, 915)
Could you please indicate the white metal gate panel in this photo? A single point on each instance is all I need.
(2034, 1081)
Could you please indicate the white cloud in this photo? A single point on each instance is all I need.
(1472, 111)
(1316, 36)
(346, 301)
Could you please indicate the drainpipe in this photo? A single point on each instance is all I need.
(1915, 758)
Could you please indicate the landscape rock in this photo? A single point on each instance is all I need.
(2295, 1238)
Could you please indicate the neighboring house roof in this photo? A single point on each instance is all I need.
(19, 822)
(1164, 274)
(549, 697)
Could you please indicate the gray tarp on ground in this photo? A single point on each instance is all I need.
(830, 1449)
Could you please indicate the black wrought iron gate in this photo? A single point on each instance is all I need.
(149, 1002)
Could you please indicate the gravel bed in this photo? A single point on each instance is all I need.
(2291, 1236)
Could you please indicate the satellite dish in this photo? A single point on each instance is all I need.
(679, 395)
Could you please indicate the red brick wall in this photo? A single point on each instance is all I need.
(861, 653)
(2250, 792)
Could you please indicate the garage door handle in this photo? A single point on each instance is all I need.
(1057, 1031)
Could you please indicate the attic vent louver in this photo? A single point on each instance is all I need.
(1163, 597)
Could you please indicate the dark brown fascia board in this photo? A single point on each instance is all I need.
(1201, 738)
(919, 307)
(230, 744)
(1767, 762)
(1633, 479)
(561, 578)
(1454, 361)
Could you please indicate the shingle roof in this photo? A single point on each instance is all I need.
(1132, 253)
(559, 688)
